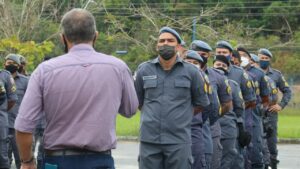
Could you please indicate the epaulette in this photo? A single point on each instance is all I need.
(234, 82)
(277, 71)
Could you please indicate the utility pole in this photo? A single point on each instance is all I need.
(194, 28)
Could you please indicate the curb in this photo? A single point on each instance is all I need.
(288, 140)
(280, 140)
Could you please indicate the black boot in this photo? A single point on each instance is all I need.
(266, 166)
(274, 163)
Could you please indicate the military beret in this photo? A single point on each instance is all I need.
(221, 58)
(266, 52)
(22, 59)
(254, 57)
(190, 54)
(13, 57)
(236, 54)
(199, 45)
(243, 50)
(173, 32)
(224, 44)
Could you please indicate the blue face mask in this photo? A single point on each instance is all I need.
(264, 64)
(228, 57)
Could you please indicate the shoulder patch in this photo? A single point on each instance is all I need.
(246, 76)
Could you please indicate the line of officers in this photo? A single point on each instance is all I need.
(234, 103)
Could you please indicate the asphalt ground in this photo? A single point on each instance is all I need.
(126, 155)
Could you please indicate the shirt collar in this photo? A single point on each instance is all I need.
(270, 70)
(178, 60)
(82, 46)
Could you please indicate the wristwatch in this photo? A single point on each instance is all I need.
(28, 161)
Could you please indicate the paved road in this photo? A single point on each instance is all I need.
(126, 156)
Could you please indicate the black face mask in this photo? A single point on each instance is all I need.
(222, 69)
(166, 52)
(204, 60)
(20, 70)
(11, 68)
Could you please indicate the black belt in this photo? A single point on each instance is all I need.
(69, 152)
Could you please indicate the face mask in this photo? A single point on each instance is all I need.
(264, 64)
(228, 58)
(20, 70)
(11, 68)
(204, 60)
(166, 52)
(245, 61)
(222, 69)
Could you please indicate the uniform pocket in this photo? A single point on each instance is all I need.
(151, 89)
(182, 89)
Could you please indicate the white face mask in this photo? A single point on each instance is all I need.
(245, 61)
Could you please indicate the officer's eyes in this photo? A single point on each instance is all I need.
(164, 40)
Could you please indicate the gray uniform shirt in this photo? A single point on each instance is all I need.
(166, 99)
(10, 94)
(281, 84)
(21, 85)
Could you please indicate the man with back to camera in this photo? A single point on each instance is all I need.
(80, 93)
(169, 92)
(265, 57)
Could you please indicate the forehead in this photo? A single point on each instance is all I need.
(222, 49)
(190, 60)
(263, 56)
(10, 61)
(166, 35)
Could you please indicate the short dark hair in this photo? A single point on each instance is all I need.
(78, 25)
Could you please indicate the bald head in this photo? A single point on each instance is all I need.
(78, 26)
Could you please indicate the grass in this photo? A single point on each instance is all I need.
(128, 127)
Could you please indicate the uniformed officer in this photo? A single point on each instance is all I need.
(244, 138)
(8, 87)
(238, 75)
(267, 122)
(22, 67)
(254, 60)
(169, 91)
(198, 145)
(262, 94)
(12, 64)
(265, 57)
(221, 95)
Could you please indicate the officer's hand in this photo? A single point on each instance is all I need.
(28, 166)
(275, 108)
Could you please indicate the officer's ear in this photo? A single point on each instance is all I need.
(95, 37)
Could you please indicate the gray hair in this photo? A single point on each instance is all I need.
(78, 25)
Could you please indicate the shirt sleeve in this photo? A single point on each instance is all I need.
(285, 89)
(264, 89)
(224, 90)
(247, 88)
(32, 104)
(199, 90)
(138, 84)
(10, 87)
(238, 104)
(129, 101)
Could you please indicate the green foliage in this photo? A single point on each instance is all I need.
(33, 52)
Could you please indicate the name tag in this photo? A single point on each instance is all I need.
(150, 77)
